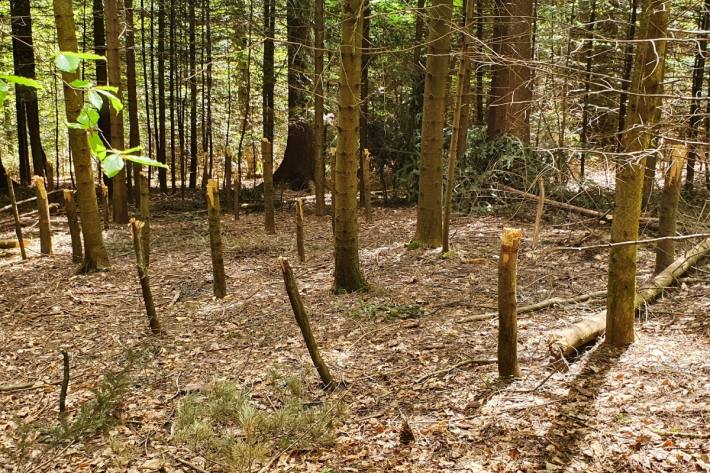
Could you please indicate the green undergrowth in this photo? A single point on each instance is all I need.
(225, 422)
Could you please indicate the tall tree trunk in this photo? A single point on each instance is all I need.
(480, 69)
(267, 90)
(193, 98)
(416, 100)
(173, 75)
(24, 62)
(95, 256)
(429, 219)
(134, 136)
(348, 275)
(102, 79)
(318, 105)
(697, 92)
(162, 155)
(644, 106)
(589, 55)
(146, 89)
(626, 78)
(511, 93)
(120, 191)
(26, 97)
(364, 107)
(208, 94)
(153, 98)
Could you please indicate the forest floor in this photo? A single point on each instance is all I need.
(398, 346)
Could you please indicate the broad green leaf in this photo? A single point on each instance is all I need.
(97, 146)
(26, 81)
(88, 117)
(95, 99)
(68, 61)
(108, 88)
(115, 102)
(80, 84)
(145, 161)
(112, 165)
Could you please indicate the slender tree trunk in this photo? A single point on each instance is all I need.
(648, 73)
(134, 137)
(74, 228)
(364, 107)
(480, 68)
(208, 76)
(318, 105)
(26, 97)
(267, 91)
(193, 98)
(267, 156)
(95, 256)
(511, 93)
(162, 155)
(589, 55)
(348, 275)
(458, 143)
(153, 88)
(668, 210)
(626, 78)
(429, 218)
(173, 75)
(120, 191)
(102, 78)
(697, 92)
(416, 101)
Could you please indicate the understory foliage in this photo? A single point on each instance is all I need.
(225, 422)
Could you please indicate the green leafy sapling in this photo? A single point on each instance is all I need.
(112, 160)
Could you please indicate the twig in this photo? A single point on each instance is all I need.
(452, 368)
(631, 242)
(540, 305)
(186, 463)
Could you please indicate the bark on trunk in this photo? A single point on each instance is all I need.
(318, 105)
(15, 215)
(95, 256)
(429, 218)
(348, 275)
(643, 113)
(74, 228)
(268, 167)
(45, 230)
(153, 322)
(120, 189)
(507, 303)
(665, 249)
(214, 216)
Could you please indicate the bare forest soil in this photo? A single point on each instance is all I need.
(397, 346)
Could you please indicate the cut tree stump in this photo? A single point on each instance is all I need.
(136, 229)
(77, 253)
(507, 303)
(45, 230)
(569, 340)
(219, 284)
(16, 217)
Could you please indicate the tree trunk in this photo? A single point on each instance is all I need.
(161, 141)
(511, 93)
(268, 81)
(214, 216)
(172, 80)
(26, 97)
(297, 168)
(95, 256)
(146, 87)
(15, 214)
(429, 218)
(102, 79)
(267, 156)
(364, 107)
(45, 230)
(193, 98)
(319, 109)
(665, 249)
(120, 190)
(458, 137)
(696, 92)
(626, 78)
(134, 136)
(507, 303)
(153, 323)
(646, 80)
(589, 55)
(348, 275)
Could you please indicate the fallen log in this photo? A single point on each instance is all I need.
(13, 243)
(570, 207)
(558, 301)
(567, 341)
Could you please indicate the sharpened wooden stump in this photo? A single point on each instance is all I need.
(219, 284)
(45, 231)
(77, 253)
(507, 303)
(153, 323)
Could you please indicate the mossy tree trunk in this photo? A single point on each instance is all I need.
(429, 211)
(648, 72)
(95, 255)
(348, 275)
